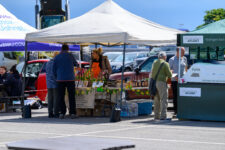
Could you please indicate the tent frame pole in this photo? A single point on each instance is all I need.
(24, 74)
(121, 93)
(179, 65)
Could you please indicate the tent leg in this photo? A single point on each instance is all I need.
(24, 75)
(80, 54)
(121, 93)
(115, 115)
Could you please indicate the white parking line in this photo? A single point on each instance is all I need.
(55, 135)
(23, 132)
(102, 131)
(159, 140)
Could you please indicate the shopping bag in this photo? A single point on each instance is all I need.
(115, 115)
(26, 111)
(152, 87)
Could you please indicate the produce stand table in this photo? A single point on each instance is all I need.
(91, 102)
(137, 93)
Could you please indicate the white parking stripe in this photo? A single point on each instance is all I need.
(23, 132)
(159, 140)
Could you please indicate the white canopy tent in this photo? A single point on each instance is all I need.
(107, 23)
(11, 27)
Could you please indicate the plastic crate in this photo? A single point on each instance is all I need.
(129, 110)
(144, 108)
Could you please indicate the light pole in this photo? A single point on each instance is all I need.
(67, 9)
(37, 15)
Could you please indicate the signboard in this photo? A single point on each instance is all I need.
(193, 39)
(206, 73)
(190, 92)
(198, 40)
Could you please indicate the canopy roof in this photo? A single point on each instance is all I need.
(11, 27)
(107, 23)
(211, 35)
(217, 27)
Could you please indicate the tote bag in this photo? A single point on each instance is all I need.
(152, 84)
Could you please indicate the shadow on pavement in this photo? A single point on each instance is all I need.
(187, 123)
(40, 116)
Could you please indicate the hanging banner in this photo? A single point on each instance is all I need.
(19, 45)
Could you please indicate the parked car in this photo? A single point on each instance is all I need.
(112, 55)
(36, 77)
(142, 72)
(138, 61)
(168, 49)
(117, 63)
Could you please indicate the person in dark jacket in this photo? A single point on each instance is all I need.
(63, 69)
(3, 74)
(3, 77)
(13, 82)
(53, 108)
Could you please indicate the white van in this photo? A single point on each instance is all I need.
(7, 59)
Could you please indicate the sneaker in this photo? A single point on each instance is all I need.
(73, 116)
(174, 116)
(61, 116)
(50, 115)
(168, 119)
(56, 116)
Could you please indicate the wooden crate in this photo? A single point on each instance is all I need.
(84, 112)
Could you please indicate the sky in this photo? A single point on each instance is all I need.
(185, 14)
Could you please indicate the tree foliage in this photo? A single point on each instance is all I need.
(213, 16)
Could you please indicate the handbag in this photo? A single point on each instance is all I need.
(152, 84)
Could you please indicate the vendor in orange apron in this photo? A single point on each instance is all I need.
(95, 69)
(100, 65)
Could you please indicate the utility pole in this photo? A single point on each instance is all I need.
(67, 9)
(37, 15)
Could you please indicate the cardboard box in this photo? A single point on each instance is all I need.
(84, 112)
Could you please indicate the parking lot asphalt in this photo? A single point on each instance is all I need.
(143, 131)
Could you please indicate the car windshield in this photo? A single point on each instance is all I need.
(112, 56)
(19, 67)
(156, 50)
(128, 57)
(147, 65)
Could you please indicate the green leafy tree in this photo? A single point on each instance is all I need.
(213, 16)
